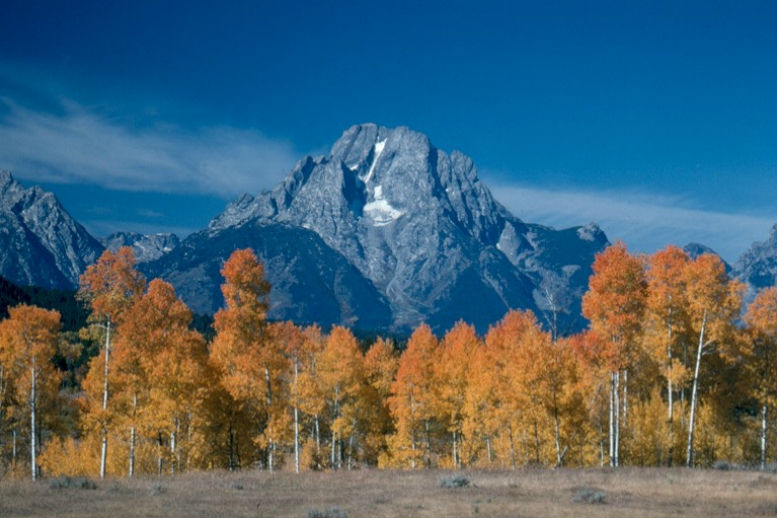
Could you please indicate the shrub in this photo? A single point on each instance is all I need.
(332, 512)
(589, 495)
(65, 482)
(455, 481)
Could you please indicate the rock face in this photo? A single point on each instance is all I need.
(694, 250)
(147, 247)
(757, 267)
(40, 244)
(310, 281)
(418, 227)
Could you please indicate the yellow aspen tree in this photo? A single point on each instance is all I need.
(30, 337)
(667, 323)
(714, 303)
(310, 396)
(276, 367)
(292, 341)
(109, 286)
(174, 368)
(380, 367)
(452, 377)
(341, 371)
(761, 319)
(241, 334)
(412, 400)
(516, 409)
(480, 424)
(615, 304)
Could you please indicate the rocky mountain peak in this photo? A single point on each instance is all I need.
(420, 225)
(147, 247)
(757, 267)
(40, 243)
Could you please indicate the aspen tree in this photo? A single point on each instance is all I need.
(761, 319)
(341, 371)
(380, 367)
(30, 340)
(452, 377)
(667, 321)
(615, 304)
(241, 334)
(110, 286)
(713, 303)
(411, 400)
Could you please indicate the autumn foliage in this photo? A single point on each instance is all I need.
(671, 371)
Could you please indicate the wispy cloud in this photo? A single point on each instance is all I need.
(645, 221)
(79, 145)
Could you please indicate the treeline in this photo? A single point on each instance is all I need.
(670, 372)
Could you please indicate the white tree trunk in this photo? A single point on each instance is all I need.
(296, 419)
(172, 451)
(763, 437)
(104, 451)
(558, 438)
(617, 391)
(670, 399)
(132, 436)
(611, 434)
(33, 404)
(691, 417)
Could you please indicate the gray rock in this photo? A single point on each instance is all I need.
(425, 231)
(147, 247)
(757, 267)
(694, 250)
(40, 243)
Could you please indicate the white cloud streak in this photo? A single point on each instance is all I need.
(81, 146)
(646, 222)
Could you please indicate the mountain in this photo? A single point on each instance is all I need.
(387, 216)
(694, 250)
(310, 281)
(40, 243)
(757, 267)
(147, 247)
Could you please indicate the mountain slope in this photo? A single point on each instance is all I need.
(310, 282)
(147, 247)
(40, 243)
(418, 224)
(757, 267)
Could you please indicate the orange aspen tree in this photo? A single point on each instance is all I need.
(8, 403)
(506, 346)
(411, 400)
(30, 337)
(110, 286)
(480, 425)
(292, 342)
(667, 321)
(561, 395)
(174, 365)
(276, 368)
(615, 304)
(341, 371)
(452, 376)
(241, 334)
(714, 303)
(592, 356)
(309, 391)
(380, 367)
(761, 319)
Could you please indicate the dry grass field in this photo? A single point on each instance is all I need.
(372, 493)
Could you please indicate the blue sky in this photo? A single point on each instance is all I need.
(657, 120)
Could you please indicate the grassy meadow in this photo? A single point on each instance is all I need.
(385, 493)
